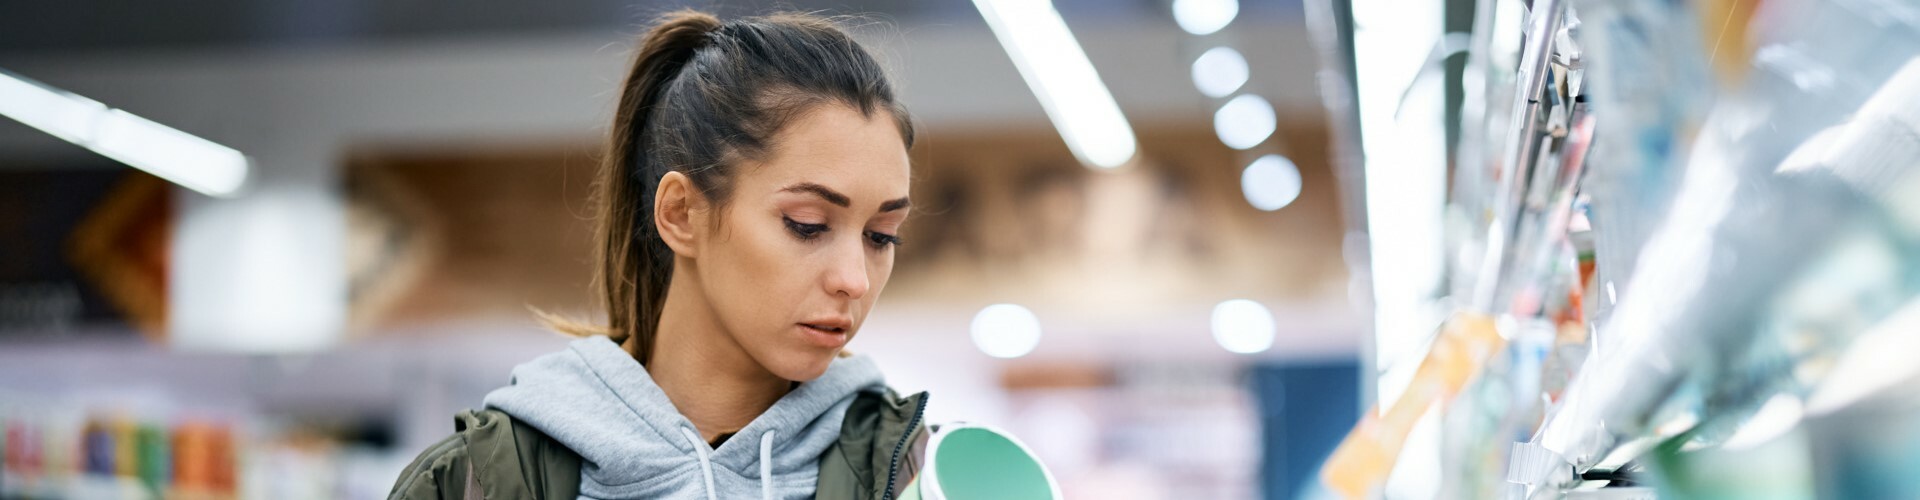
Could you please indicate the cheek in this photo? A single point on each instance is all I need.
(760, 268)
(879, 271)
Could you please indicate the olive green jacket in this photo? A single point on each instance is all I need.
(491, 456)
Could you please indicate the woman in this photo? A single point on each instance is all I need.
(750, 207)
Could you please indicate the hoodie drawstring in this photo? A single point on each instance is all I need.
(706, 464)
(766, 466)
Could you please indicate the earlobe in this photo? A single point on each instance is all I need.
(673, 214)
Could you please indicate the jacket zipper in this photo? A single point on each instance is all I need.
(899, 449)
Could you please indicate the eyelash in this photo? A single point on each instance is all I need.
(807, 232)
(882, 240)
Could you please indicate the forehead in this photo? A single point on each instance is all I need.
(835, 146)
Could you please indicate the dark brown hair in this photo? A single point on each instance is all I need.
(701, 96)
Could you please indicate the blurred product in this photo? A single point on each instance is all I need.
(1362, 461)
(972, 462)
(58, 450)
(1685, 297)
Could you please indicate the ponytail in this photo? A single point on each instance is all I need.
(635, 264)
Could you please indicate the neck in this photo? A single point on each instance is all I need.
(708, 376)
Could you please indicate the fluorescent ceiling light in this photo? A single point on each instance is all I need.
(1245, 121)
(1057, 70)
(1006, 331)
(1219, 71)
(163, 151)
(1271, 182)
(1203, 17)
(1243, 326)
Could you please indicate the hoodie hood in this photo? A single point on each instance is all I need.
(596, 400)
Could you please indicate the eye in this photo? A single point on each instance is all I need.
(804, 231)
(881, 241)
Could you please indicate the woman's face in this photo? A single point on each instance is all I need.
(807, 240)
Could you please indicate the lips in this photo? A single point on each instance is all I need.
(829, 324)
(826, 332)
(824, 328)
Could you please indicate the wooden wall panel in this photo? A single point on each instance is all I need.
(459, 234)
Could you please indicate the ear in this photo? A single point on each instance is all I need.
(674, 204)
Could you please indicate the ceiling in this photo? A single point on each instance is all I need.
(35, 27)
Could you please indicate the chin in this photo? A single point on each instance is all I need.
(800, 366)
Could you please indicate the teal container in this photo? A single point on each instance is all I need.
(976, 462)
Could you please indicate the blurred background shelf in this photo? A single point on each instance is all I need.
(419, 175)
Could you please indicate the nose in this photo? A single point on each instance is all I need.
(847, 272)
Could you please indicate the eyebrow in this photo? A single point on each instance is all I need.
(841, 200)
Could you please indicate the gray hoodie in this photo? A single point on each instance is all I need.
(597, 401)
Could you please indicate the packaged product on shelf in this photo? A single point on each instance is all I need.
(1647, 71)
(1712, 328)
(1362, 461)
(59, 450)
